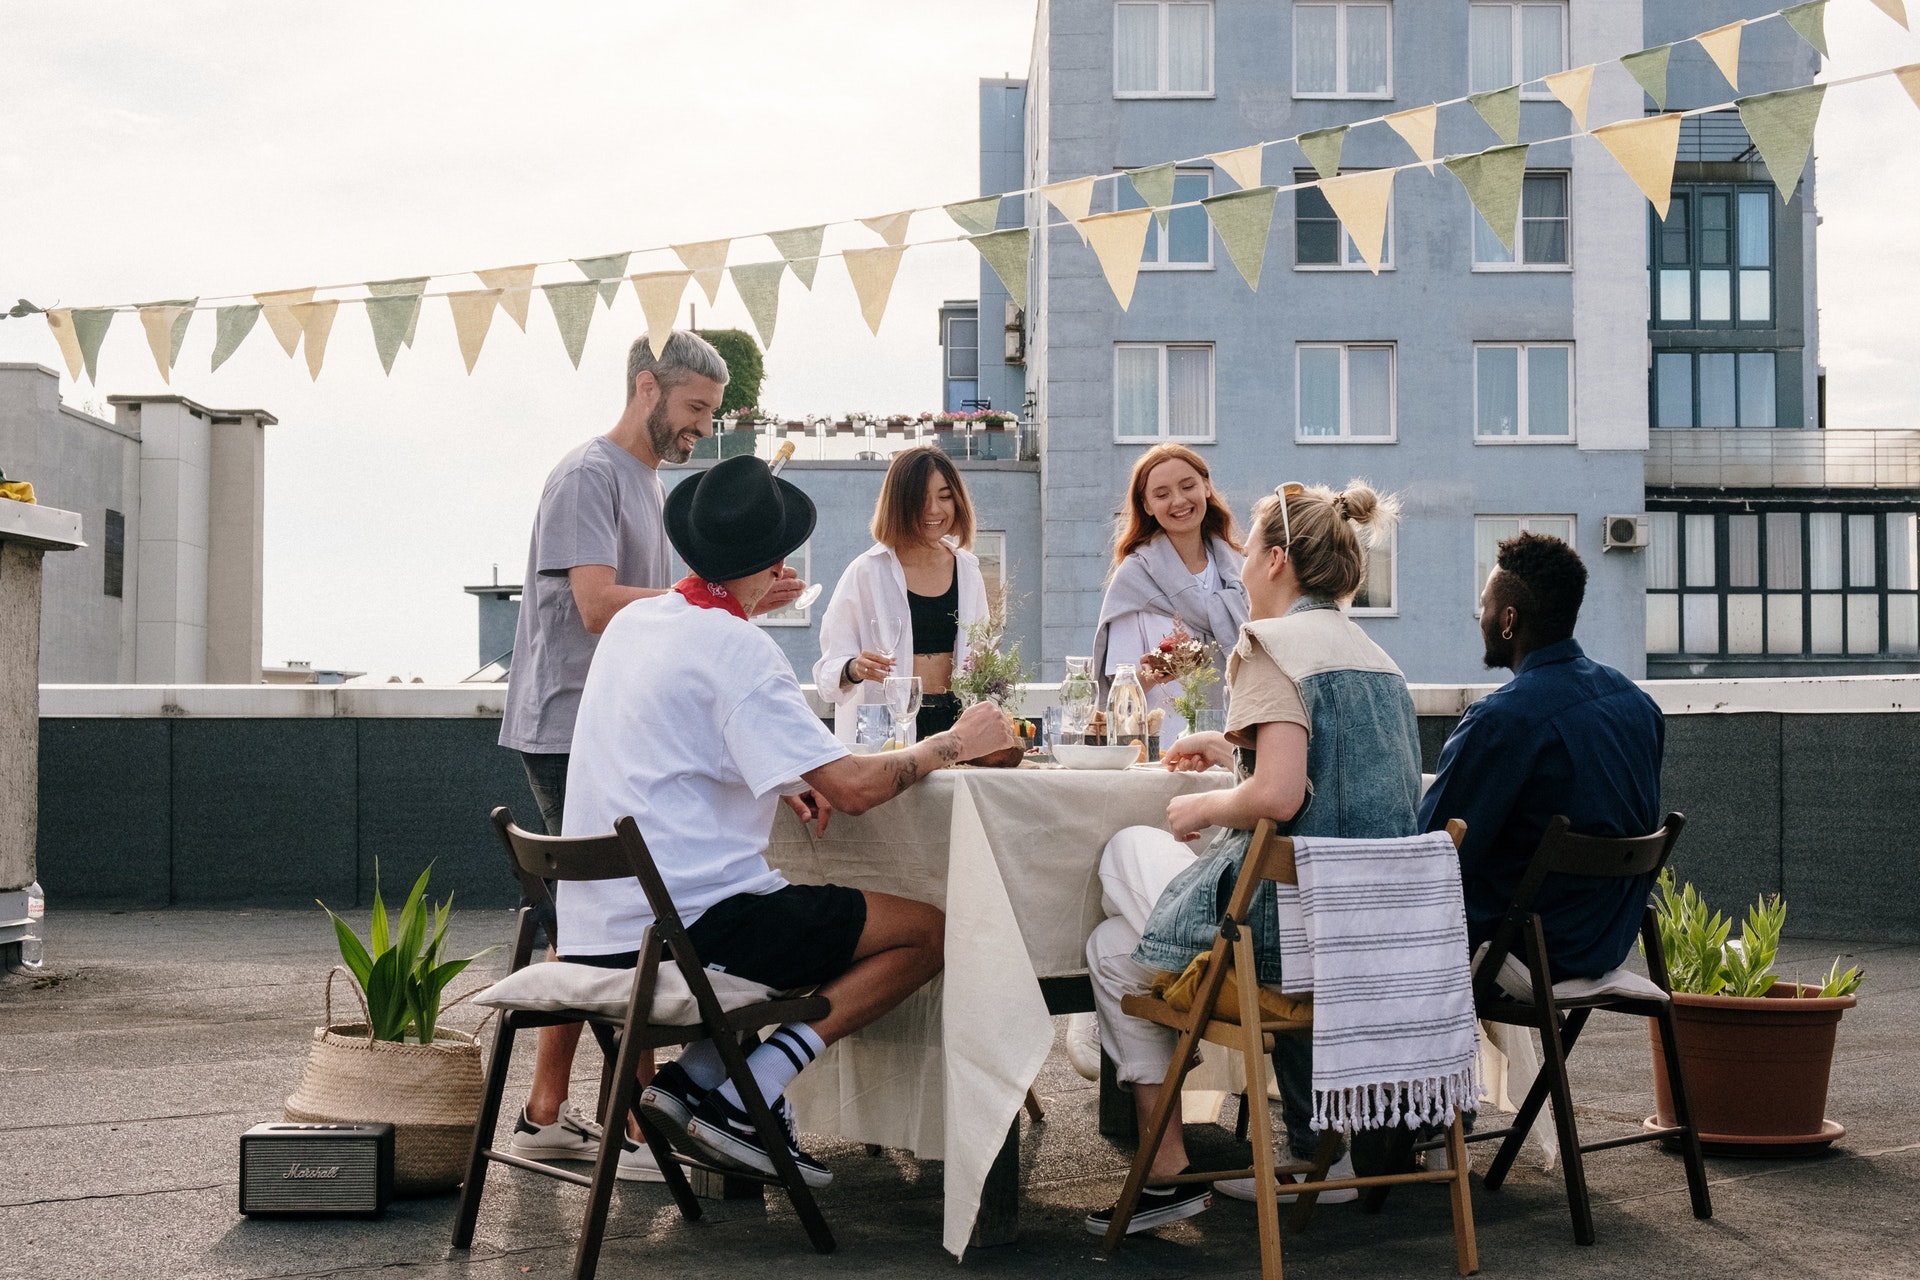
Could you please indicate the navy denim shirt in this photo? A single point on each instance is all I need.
(1567, 735)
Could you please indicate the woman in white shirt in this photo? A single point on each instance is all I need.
(919, 586)
(1177, 552)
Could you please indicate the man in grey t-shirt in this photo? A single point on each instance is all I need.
(598, 545)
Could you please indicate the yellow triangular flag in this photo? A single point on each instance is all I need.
(1360, 200)
(1575, 89)
(1417, 127)
(1646, 150)
(1073, 199)
(1909, 77)
(891, 227)
(61, 322)
(316, 322)
(278, 307)
(1723, 46)
(1118, 239)
(872, 272)
(708, 262)
(1781, 126)
(1242, 164)
(516, 290)
(472, 317)
(1895, 9)
(660, 293)
(161, 321)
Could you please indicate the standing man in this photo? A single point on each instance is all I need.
(599, 544)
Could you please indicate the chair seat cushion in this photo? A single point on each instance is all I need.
(558, 987)
(1623, 983)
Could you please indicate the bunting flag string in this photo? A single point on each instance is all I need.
(1575, 90)
(801, 249)
(316, 322)
(975, 217)
(392, 317)
(61, 322)
(891, 227)
(758, 284)
(1501, 110)
(708, 261)
(416, 286)
(1322, 148)
(872, 272)
(660, 293)
(1117, 240)
(607, 270)
(1493, 180)
(1074, 199)
(1361, 200)
(1781, 126)
(1810, 20)
(1155, 186)
(472, 316)
(279, 307)
(166, 327)
(1646, 149)
(1418, 127)
(1242, 164)
(1243, 219)
(231, 325)
(516, 290)
(1723, 46)
(572, 303)
(1006, 253)
(1649, 67)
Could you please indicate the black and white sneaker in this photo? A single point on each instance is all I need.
(668, 1102)
(1158, 1206)
(574, 1137)
(725, 1136)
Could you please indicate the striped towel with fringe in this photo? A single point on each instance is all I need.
(1377, 932)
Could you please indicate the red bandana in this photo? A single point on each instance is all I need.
(708, 595)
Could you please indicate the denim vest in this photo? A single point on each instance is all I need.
(1363, 782)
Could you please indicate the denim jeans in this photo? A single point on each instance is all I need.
(547, 777)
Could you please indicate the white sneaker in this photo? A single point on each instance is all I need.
(574, 1137)
(1436, 1160)
(1083, 1043)
(1243, 1188)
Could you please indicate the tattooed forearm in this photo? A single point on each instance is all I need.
(905, 774)
(945, 748)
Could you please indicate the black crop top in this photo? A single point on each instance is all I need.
(936, 619)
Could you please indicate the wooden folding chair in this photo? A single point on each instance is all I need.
(537, 859)
(1269, 857)
(1559, 1020)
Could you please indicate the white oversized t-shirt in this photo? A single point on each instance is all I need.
(691, 723)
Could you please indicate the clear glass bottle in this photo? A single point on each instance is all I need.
(33, 952)
(1126, 709)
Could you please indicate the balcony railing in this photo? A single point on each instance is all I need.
(1750, 459)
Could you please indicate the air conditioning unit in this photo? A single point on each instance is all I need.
(1016, 333)
(1624, 533)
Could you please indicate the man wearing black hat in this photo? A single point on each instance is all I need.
(693, 724)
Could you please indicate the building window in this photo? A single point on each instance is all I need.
(1162, 49)
(990, 548)
(1718, 389)
(963, 347)
(1713, 259)
(1787, 583)
(1523, 391)
(1187, 244)
(115, 542)
(1516, 44)
(1345, 392)
(1319, 241)
(1343, 50)
(1162, 391)
(1379, 595)
(1490, 531)
(1542, 235)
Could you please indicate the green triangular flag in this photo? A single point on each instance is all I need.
(1501, 109)
(759, 286)
(390, 317)
(976, 217)
(231, 325)
(1323, 145)
(1649, 67)
(90, 328)
(413, 285)
(572, 304)
(1493, 180)
(1006, 253)
(801, 248)
(1810, 20)
(1781, 126)
(1155, 185)
(1243, 219)
(608, 271)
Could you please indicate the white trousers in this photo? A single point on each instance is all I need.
(1135, 868)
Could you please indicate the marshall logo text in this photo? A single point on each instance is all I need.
(312, 1171)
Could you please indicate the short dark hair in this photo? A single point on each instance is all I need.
(1544, 579)
(903, 494)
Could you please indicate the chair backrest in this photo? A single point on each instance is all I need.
(1270, 857)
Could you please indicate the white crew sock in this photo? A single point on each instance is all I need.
(775, 1063)
(701, 1062)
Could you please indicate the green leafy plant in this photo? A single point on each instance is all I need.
(988, 674)
(1702, 961)
(399, 970)
(745, 367)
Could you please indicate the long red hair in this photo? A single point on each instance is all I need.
(1136, 528)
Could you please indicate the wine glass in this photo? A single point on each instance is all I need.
(887, 634)
(903, 700)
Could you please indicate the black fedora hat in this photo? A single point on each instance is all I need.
(736, 519)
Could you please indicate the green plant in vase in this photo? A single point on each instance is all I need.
(992, 670)
(399, 970)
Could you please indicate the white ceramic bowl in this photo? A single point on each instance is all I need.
(1081, 756)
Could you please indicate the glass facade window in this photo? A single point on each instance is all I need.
(1163, 391)
(1523, 392)
(1343, 50)
(1717, 389)
(1712, 259)
(990, 548)
(1515, 44)
(1345, 391)
(1380, 592)
(1542, 236)
(1187, 243)
(1318, 238)
(1163, 48)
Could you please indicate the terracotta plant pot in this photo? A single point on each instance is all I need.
(1756, 1070)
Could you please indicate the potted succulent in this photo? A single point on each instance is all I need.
(992, 672)
(398, 1064)
(1757, 1051)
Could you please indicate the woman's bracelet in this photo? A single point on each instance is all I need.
(847, 672)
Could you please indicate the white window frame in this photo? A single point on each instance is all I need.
(993, 537)
(1161, 234)
(1392, 609)
(1165, 413)
(1339, 51)
(800, 560)
(1162, 6)
(1526, 526)
(951, 346)
(1346, 435)
(1358, 263)
(1525, 436)
(1542, 94)
(1519, 262)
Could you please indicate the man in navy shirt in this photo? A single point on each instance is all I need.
(1567, 735)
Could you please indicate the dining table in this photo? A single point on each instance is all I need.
(1012, 856)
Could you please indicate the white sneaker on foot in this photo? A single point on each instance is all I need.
(1083, 1043)
(1243, 1188)
(574, 1137)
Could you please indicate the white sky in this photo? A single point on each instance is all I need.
(196, 147)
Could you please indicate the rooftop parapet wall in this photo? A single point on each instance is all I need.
(1756, 459)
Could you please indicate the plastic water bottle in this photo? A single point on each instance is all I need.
(33, 951)
(1126, 709)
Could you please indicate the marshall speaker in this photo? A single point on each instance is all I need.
(290, 1170)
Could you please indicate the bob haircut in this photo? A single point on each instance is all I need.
(903, 495)
(1136, 528)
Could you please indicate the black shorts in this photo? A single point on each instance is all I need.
(800, 935)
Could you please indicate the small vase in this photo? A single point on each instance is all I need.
(1209, 720)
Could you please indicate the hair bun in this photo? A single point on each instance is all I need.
(1358, 503)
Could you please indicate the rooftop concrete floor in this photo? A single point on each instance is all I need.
(129, 1069)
